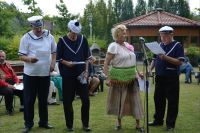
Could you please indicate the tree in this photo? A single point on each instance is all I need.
(32, 6)
(88, 11)
(111, 20)
(140, 8)
(171, 7)
(100, 19)
(151, 5)
(61, 22)
(127, 10)
(161, 4)
(118, 9)
(7, 12)
(183, 8)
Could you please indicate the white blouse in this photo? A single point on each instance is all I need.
(123, 56)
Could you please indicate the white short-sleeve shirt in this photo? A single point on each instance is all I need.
(39, 47)
(123, 56)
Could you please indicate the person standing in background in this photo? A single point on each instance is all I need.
(38, 51)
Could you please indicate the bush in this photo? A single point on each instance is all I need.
(4, 42)
(193, 54)
(13, 47)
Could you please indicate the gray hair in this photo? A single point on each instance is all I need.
(116, 30)
(1, 51)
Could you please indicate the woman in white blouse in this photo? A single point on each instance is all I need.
(120, 68)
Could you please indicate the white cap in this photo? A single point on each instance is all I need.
(74, 26)
(36, 21)
(166, 29)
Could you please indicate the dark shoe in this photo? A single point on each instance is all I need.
(187, 82)
(140, 129)
(26, 130)
(70, 129)
(46, 126)
(21, 109)
(154, 123)
(53, 103)
(87, 129)
(118, 127)
(169, 129)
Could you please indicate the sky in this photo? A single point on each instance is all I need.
(74, 6)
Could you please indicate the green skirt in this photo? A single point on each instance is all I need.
(122, 75)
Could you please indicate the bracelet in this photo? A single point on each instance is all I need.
(30, 61)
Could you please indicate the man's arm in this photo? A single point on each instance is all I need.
(53, 62)
(28, 59)
(170, 59)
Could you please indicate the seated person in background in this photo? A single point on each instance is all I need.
(93, 80)
(52, 94)
(186, 68)
(57, 80)
(93, 84)
(7, 79)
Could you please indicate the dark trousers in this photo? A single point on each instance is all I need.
(35, 86)
(18, 93)
(70, 86)
(8, 94)
(166, 88)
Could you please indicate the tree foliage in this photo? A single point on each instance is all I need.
(32, 7)
(104, 15)
(118, 9)
(127, 10)
(183, 8)
(62, 20)
(140, 8)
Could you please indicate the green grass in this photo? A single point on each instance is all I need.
(188, 120)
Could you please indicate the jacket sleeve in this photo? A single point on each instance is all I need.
(3, 83)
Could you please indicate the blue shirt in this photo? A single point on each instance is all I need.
(164, 68)
(72, 51)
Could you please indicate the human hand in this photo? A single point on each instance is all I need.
(11, 86)
(141, 75)
(92, 59)
(69, 63)
(108, 82)
(33, 59)
(52, 66)
(161, 56)
(85, 74)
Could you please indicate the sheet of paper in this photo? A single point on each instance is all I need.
(19, 86)
(80, 62)
(42, 55)
(155, 48)
(142, 85)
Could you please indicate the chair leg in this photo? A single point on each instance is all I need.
(1, 98)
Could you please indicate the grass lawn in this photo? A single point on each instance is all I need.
(188, 120)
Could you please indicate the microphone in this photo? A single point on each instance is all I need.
(141, 39)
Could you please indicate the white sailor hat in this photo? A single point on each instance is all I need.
(36, 21)
(166, 29)
(74, 26)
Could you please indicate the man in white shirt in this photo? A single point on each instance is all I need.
(38, 51)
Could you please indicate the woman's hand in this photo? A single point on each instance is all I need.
(108, 82)
(140, 75)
